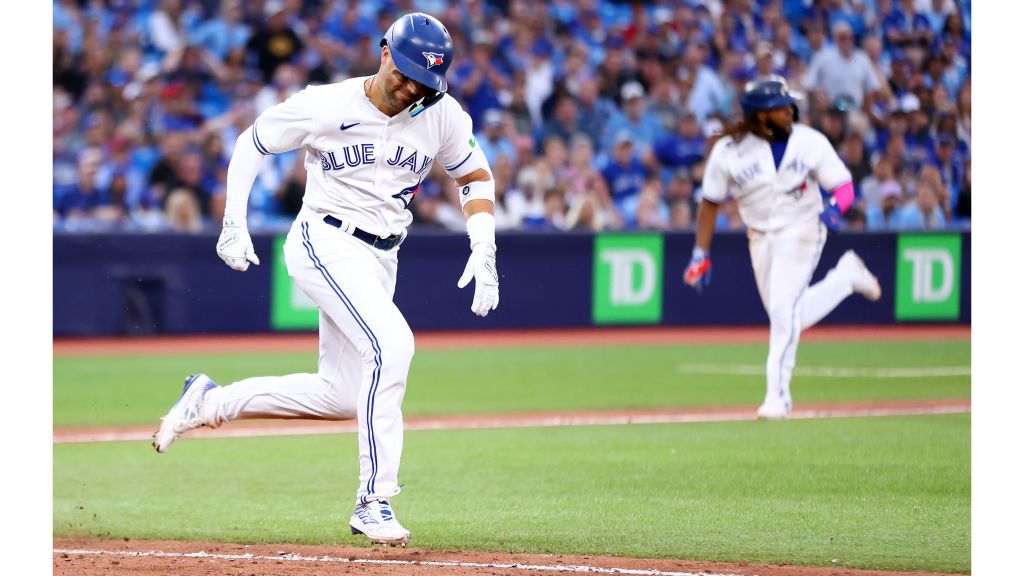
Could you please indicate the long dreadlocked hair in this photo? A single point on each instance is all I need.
(748, 124)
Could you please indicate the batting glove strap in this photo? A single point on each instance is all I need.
(482, 267)
(698, 272)
(831, 215)
(235, 245)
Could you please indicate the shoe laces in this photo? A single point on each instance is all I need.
(365, 512)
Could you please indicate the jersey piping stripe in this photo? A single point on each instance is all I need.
(793, 328)
(373, 342)
(456, 167)
(256, 141)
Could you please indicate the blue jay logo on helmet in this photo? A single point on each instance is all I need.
(433, 59)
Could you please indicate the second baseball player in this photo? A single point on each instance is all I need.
(773, 167)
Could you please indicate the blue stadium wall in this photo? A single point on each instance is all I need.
(121, 284)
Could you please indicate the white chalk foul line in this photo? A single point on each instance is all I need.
(740, 414)
(333, 559)
(758, 370)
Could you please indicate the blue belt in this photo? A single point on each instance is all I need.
(375, 241)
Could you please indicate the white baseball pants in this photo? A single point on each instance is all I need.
(366, 347)
(783, 263)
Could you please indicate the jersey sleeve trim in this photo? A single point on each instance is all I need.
(456, 167)
(256, 140)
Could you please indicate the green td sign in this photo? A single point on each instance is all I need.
(290, 308)
(928, 277)
(627, 278)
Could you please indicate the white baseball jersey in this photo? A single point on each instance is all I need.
(363, 166)
(771, 199)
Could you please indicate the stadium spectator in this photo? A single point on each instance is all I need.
(84, 197)
(275, 42)
(833, 123)
(182, 211)
(477, 77)
(163, 176)
(683, 147)
(651, 210)
(943, 158)
(884, 215)
(224, 33)
(563, 124)
(707, 94)
(905, 27)
(136, 81)
(625, 176)
(842, 72)
(189, 177)
(504, 177)
(166, 28)
(663, 103)
(586, 215)
(936, 11)
(871, 185)
(924, 213)
(854, 154)
(554, 209)
(768, 61)
(681, 216)
(583, 182)
(595, 112)
(635, 120)
(493, 139)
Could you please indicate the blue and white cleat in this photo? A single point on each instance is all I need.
(186, 414)
(377, 521)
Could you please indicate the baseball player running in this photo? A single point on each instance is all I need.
(773, 168)
(369, 142)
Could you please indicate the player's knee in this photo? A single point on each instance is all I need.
(402, 345)
(396, 349)
(783, 318)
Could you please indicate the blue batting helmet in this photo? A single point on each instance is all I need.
(767, 93)
(421, 49)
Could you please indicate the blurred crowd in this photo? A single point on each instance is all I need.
(594, 114)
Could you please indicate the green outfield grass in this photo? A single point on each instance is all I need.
(140, 389)
(888, 493)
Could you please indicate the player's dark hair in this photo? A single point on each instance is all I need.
(748, 124)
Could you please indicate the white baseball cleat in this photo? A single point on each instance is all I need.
(864, 282)
(186, 414)
(377, 522)
(772, 411)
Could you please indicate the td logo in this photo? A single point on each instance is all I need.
(928, 277)
(627, 278)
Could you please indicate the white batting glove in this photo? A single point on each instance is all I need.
(481, 266)
(235, 246)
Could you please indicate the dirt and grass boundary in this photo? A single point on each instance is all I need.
(109, 557)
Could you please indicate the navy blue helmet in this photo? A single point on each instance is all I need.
(421, 49)
(767, 93)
